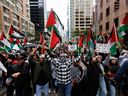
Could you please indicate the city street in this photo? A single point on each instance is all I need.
(3, 92)
(78, 47)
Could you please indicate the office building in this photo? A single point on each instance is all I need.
(109, 11)
(38, 14)
(16, 13)
(80, 14)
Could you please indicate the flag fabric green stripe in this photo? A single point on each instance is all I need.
(2, 49)
(91, 47)
(123, 28)
(7, 48)
(113, 49)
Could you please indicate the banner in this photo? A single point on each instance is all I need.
(102, 48)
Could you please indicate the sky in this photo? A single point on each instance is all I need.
(60, 7)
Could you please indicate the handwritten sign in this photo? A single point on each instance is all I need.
(102, 48)
(72, 47)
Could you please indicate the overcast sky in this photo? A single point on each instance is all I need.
(60, 7)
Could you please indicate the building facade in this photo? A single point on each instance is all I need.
(108, 12)
(80, 14)
(16, 13)
(38, 14)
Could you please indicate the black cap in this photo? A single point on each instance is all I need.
(11, 56)
(22, 56)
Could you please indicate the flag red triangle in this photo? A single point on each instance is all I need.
(11, 39)
(51, 19)
(89, 37)
(17, 41)
(11, 30)
(54, 39)
(41, 38)
(25, 41)
(125, 20)
(80, 43)
(114, 36)
(2, 36)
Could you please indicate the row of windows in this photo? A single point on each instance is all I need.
(116, 3)
(16, 23)
(79, 28)
(116, 7)
(116, 21)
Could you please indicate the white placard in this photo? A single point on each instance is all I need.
(72, 47)
(102, 48)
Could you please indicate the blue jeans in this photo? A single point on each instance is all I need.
(121, 71)
(64, 89)
(42, 89)
(102, 91)
(112, 89)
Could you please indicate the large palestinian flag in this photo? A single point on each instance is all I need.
(113, 41)
(15, 44)
(55, 26)
(123, 27)
(5, 42)
(15, 33)
(90, 43)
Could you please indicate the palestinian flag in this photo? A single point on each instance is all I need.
(80, 42)
(113, 41)
(123, 27)
(2, 49)
(15, 34)
(100, 38)
(41, 39)
(55, 39)
(55, 27)
(90, 43)
(25, 41)
(5, 42)
(15, 44)
(42, 42)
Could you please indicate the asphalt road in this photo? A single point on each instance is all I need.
(3, 92)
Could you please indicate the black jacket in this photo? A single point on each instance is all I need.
(42, 73)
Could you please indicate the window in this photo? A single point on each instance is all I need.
(116, 21)
(101, 3)
(108, 11)
(6, 19)
(107, 1)
(87, 21)
(6, 28)
(82, 22)
(116, 5)
(6, 11)
(101, 15)
(81, 18)
(100, 28)
(126, 2)
(107, 26)
(77, 19)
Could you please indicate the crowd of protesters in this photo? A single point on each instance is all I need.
(29, 73)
